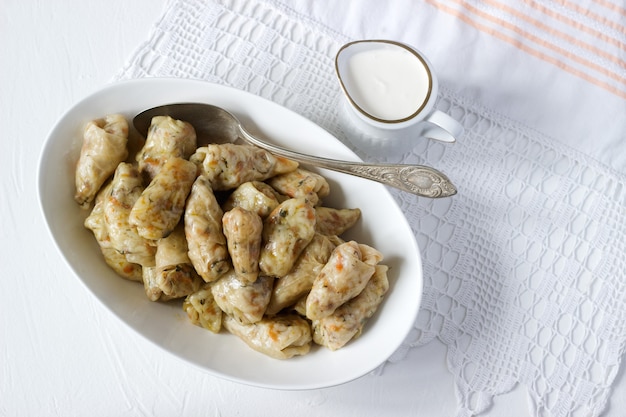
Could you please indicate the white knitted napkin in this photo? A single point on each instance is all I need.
(525, 268)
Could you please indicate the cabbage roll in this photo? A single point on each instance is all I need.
(104, 147)
(298, 282)
(173, 276)
(347, 321)
(343, 277)
(202, 309)
(300, 306)
(254, 196)
(160, 207)
(286, 232)
(243, 230)
(245, 301)
(280, 337)
(166, 138)
(301, 183)
(126, 187)
(203, 227)
(227, 166)
(115, 259)
(331, 221)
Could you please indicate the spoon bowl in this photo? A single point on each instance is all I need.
(214, 124)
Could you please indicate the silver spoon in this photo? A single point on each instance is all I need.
(221, 126)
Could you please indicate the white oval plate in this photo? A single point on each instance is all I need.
(383, 226)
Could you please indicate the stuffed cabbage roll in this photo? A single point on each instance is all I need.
(243, 230)
(347, 321)
(343, 277)
(202, 309)
(228, 165)
(126, 188)
(331, 221)
(300, 306)
(103, 148)
(254, 196)
(203, 227)
(160, 207)
(301, 183)
(115, 259)
(286, 232)
(245, 301)
(167, 138)
(298, 282)
(280, 337)
(173, 276)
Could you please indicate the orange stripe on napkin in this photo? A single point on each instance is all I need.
(577, 25)
(539, 41)
(588, 13)
(611, 6)
(519, 42)
(556, 33)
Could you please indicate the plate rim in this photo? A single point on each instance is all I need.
(147, 82)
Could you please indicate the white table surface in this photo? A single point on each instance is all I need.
(61, 351)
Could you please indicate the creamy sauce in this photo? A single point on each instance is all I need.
(389, 83)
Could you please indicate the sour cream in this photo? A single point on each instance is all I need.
(387, 81)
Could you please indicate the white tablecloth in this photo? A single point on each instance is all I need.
(524, 301)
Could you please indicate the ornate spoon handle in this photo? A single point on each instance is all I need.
(416, 179)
